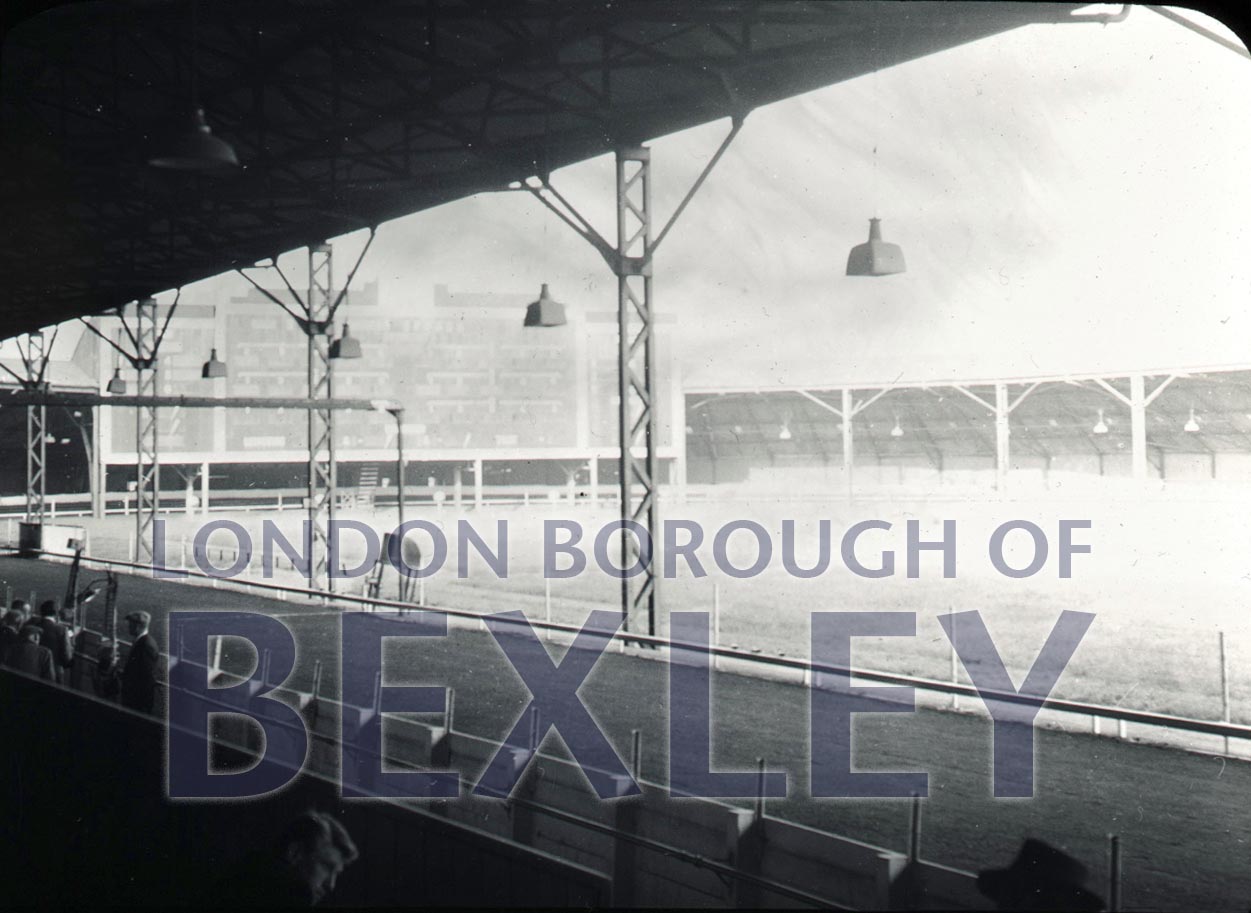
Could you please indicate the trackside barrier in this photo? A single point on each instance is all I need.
(247, 500)
(655, 647)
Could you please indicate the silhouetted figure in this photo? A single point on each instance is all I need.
(139, 678)
(1040, 878)
(22, 606)
(28, 656)
(58, 638)
(300, 870)
(9, 628)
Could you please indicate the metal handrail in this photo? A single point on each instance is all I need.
(1150, 718)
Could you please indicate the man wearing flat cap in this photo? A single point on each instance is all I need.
(139, 678)
(24, 653)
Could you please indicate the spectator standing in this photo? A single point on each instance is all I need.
(58, 639)
(28, 656)
(9, 631)
(139, 678)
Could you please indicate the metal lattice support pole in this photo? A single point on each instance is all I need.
(315, 316)
(147, 460)
(631, 262)
(321, 458)
(36, 462)
(36, 359)
(636, 379)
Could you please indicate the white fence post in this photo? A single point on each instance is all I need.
(547, 605)
(1225, 710)
(716, 623)
(955, 666)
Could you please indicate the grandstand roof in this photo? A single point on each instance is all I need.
(347, 115)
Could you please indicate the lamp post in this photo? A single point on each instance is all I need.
(396, 411)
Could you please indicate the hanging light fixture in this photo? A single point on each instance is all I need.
(346, 346)
(192, 147)
(117, 385)
(784, 434)
(1101, 427)
(897, 431)
(1192, 424)
(875, 257)
(545, 312)
(213, 368)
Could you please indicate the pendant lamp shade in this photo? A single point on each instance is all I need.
(346, 346)
(875, 257)
(213, 368)
(546, 311)
(192, 147)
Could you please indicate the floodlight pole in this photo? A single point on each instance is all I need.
(630, 259)
(396, 411)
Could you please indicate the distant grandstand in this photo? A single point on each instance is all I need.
(553, 422)
(1180, 425)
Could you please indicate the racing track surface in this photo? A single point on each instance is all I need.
(1182, 817)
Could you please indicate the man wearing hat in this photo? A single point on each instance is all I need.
(1040, 878)
(25, 654)
(139, 678)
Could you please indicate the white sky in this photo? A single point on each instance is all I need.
(1068, 198)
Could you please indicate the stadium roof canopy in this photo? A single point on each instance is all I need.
(345, 115)
(1052, 417)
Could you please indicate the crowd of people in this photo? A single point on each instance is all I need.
(44, 647)
(299, 869)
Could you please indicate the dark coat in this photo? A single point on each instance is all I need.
(57, 638)
(31, 658)
(139, 678)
